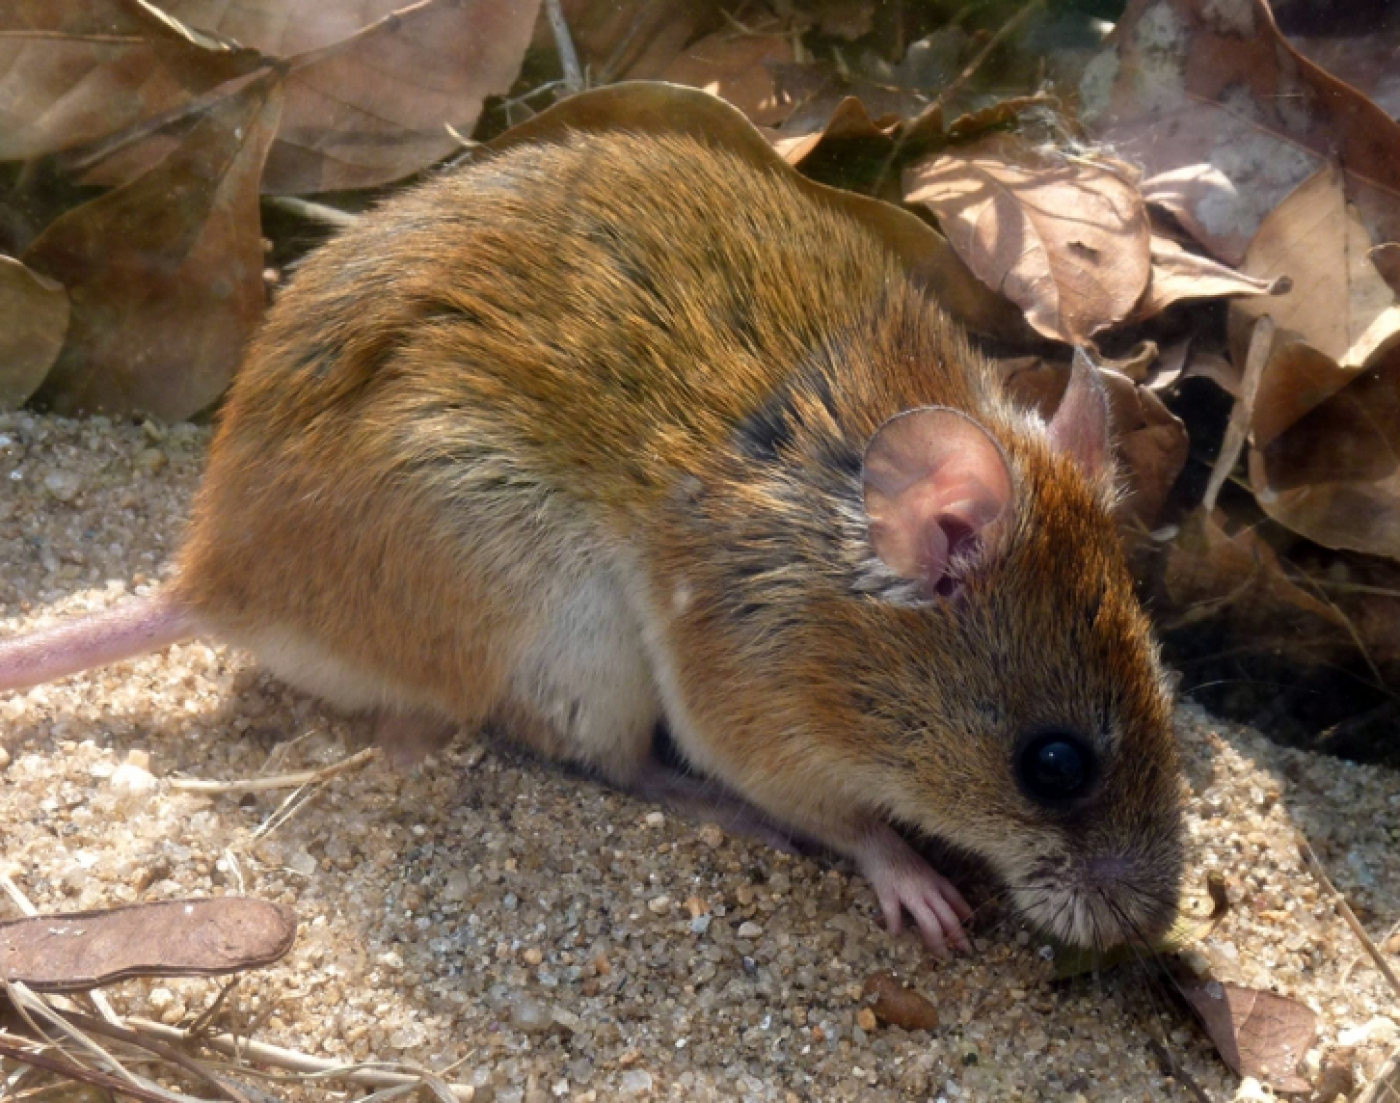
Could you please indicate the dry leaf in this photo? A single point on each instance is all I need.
(899, 1005)
(71, 73)
(165, 273)
(76, 951)
(1237, 580)
(736, 67)
(1210, 91)
(1334, 475)
(33, 321)
(1067, 241)
(1338, 302)
(371, 87)
(1257, 1033)
(630, 41)
(1178, 274)
(655, 108)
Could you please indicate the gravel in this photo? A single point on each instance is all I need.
(543, 938)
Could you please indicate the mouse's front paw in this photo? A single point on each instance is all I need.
(904, 882)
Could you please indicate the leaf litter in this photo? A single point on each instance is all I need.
(1236, 170)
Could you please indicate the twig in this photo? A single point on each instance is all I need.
(568, 56)
(279, 781)
(1173, 1068)
(1261, 343)
(1344, 910)
(294, 1061)
(316, 212)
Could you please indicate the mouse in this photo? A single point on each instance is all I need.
(617, 430)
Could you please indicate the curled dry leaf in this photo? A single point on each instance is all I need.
(898, 1004)
(655, 108)
(72, 73)
(1067, 241)
(33, 321)
(1257, 1033)
(1178, 274)
(76, 951)
(1213, 93)
(165, 273)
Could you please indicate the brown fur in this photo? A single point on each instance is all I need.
(638, 360)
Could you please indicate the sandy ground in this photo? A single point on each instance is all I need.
(544, 938)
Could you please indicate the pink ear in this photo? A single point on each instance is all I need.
(934, 480)
(1079, 428)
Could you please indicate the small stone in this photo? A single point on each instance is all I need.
(659, 905)
(750, 930)
(899, 1005)
(133, 777)
(636, 1082)
(696, 906)
(63, 485)
(712, 835)
(865, 1019)
(655, 819)
(530, 1015)
(4, 758)
(532, 956)
(151, 460)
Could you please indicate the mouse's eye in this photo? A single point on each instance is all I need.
(1057, 766)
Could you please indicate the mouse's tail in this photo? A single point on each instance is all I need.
(132, 628)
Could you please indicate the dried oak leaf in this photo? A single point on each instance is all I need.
(1339, 304)
(1067, 241)
(74, 72)
(1257, 1033)
(1212, 93)
(644, 107)
(738, 68)
(371, 87)
(76, 951)
(33, 321)
(898, 1004)
(165, 273)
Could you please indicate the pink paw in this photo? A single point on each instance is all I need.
(903, 881)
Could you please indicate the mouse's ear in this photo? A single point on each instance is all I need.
(1080, 427)
(934, 480)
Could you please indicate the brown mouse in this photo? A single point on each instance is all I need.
(618, 429)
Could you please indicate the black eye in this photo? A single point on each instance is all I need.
(1057, 766)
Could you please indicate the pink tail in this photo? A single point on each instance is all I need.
(132, 628)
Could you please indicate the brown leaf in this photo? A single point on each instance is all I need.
(165, 273)
(74, 72)
(848, 122)
(1067, 241)
(899, 1005)
(736, 67)
(371, 87)
(1257, 1033)
(1236, 577)
(1333, 476)
(1338, 302)
(1178, 274)
(1214, 94)
(33, 320)
(76, 951)
(654, 108)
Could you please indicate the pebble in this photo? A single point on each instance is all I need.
(63, 485)
(750, 930)
(659, 905)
